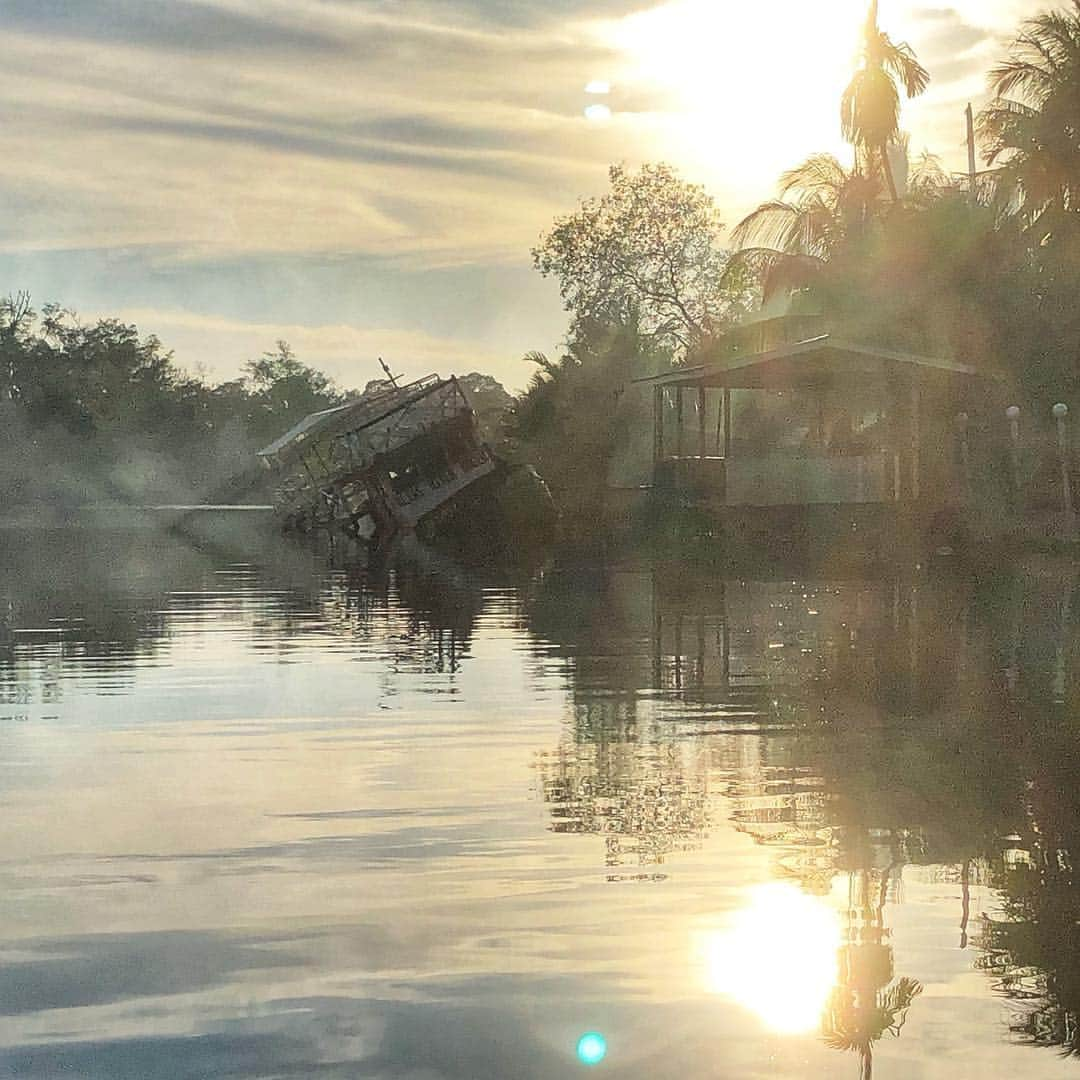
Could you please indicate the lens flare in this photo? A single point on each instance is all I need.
(591, 1048)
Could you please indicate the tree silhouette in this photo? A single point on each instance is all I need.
(1031, 127)
(870, 106)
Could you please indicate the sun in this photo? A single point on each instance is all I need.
(747, 88)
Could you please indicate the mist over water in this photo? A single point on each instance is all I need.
(271, 813)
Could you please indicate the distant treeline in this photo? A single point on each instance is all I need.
(95, 413)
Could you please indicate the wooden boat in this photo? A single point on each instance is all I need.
(403, 459)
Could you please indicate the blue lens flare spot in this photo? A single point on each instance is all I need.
(591, 1048)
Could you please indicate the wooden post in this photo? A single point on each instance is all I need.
(658, 633)
(916, 439)
(973, 181)
(679, 421)
(727, 422)
(725, 641)
(965, 457)
(700, 628)
(678, 649)
(1012, 414)
(658, 425)
(701, 420)
(1061, 411)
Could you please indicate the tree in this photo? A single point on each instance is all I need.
(577, 424)
(1032, 127)
(823, 205)
(646, 255)
(286, 390)
(870, 106)
(1031, 134)
(787, 241)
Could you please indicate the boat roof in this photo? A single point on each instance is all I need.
(363, 412)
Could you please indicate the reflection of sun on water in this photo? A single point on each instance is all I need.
(777, 958)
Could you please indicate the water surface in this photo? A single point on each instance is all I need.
(268, 815)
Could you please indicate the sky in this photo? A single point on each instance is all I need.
(366, 178)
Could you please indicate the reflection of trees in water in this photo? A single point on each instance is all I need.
(1032, 947)
(101, 603)
(84, 600)
(851, 727)
(628, 782)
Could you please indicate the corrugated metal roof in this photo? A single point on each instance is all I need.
(363, 409)
(799, 359)
(311, 422)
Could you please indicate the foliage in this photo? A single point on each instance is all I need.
(647, 255)
(96, 412)
(870, 106)
(1032, 126)
(577, 423)
(1029, 133)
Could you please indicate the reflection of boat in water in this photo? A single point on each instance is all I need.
(400, 459)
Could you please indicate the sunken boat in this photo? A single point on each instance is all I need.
(401, 459)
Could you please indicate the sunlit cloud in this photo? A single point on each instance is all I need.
(447, 136)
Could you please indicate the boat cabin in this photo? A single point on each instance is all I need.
(382, 463)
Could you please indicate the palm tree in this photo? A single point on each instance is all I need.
(870, 107)
(1032, 127)
(866, 1003)
(855, 1022)
(786, 241)
(822, 204)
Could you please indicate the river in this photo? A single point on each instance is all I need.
(268, 813)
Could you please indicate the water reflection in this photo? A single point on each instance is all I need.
(866, 1003)
(853, 729)
(778, 957)
(401, 819)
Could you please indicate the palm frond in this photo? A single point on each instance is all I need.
(820, 174)
(901, 61)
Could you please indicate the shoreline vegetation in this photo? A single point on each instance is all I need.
(981, 268)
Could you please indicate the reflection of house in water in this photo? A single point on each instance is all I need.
(779, 644)
(779, 705)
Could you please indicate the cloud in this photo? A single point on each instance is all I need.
(227, 136)
(190, 25)
(79, 972)
(349, 129)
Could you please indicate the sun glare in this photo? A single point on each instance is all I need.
(748, 86)
(778, 958)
